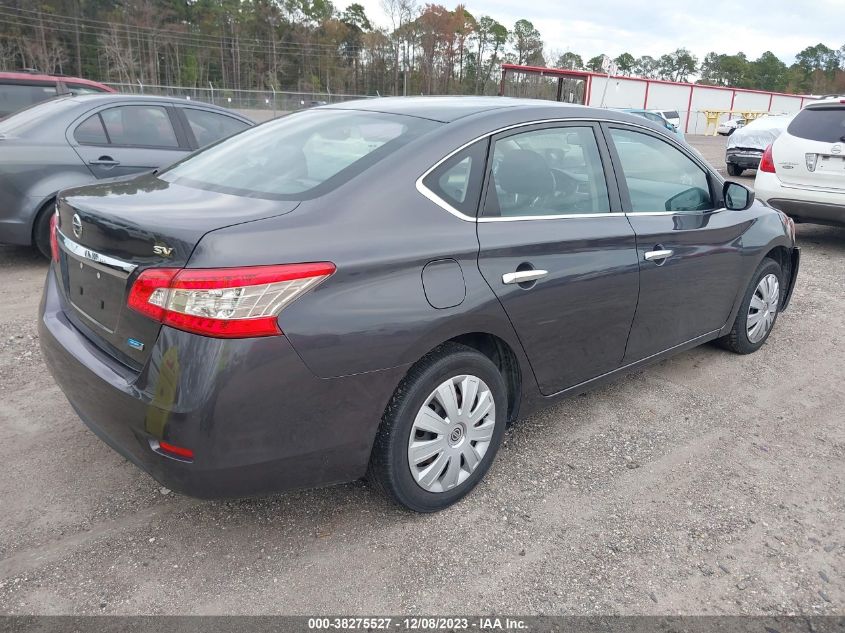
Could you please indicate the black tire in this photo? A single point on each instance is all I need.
(389, 469)
(41, 229)
(734, 170)
(737, 339)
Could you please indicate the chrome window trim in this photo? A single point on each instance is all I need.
(86, 253)
(440, 202)
(564, 216)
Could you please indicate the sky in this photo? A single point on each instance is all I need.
(655, 27)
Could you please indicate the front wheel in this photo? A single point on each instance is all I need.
(441, 430)
(759, 310)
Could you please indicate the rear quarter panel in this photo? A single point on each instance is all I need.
(372, 313)
(380, 232)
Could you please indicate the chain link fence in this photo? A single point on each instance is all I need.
(260, 105)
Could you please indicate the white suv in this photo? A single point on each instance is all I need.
(803, 172)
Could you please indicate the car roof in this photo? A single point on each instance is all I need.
(448, 109)
(826, 103)
(122, 96)
(119, 97)
(42, 77)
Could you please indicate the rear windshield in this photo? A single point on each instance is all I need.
(299, 156)
(14, 97)
(671, 114)
(820, 124)
(35, 115)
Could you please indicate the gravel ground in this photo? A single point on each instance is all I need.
(709, 483)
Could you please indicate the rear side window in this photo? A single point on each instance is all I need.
(209, 127)
(139, 126)
(300, 155)
(14, 97)
(91, 132)
(819, 124)
(457, 181)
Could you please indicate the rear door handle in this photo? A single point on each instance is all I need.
(522, 276)
(108, 161)
(652, 256)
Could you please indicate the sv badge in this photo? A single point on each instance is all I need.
(161, 249)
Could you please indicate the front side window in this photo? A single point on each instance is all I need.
(457, 181)
(139, 126)
(209, 127)
(300, 155)
(553, 171)
(659, 176)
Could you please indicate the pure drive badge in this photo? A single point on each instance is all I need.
(135, 344)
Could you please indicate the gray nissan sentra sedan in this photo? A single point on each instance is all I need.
(379, 288)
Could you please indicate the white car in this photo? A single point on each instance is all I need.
(802, 172)
(729, 126)
(671, 116)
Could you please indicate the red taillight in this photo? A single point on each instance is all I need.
(767, 163)
(54, 239)
(177, 451)
(224, 302)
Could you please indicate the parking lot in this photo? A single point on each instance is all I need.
(709, 483)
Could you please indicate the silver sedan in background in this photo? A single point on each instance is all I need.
(78, 140)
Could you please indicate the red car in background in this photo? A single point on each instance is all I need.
(20, 90)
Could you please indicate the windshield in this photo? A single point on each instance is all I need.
(299, 156)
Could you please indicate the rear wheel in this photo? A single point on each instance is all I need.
(734, 170)
(441, 430)
(41, 229)
(759, 310)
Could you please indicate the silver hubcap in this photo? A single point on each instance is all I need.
(763, 308)
(451, 433)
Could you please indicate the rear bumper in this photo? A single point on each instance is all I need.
(745, 159)
(813, 212)
(256, 418)
(805, 205)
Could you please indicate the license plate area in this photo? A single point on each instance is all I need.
(831, 164)
(96, 291)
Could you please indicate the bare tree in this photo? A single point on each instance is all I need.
(120, 59)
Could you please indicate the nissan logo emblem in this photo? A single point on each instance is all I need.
(77, 225)
(836, 149)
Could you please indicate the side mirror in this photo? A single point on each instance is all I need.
(737, 197)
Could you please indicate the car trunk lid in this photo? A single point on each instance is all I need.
(109, 233)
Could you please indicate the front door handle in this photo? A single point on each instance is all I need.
(106, 161)
(523, 276)
(652, 256)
